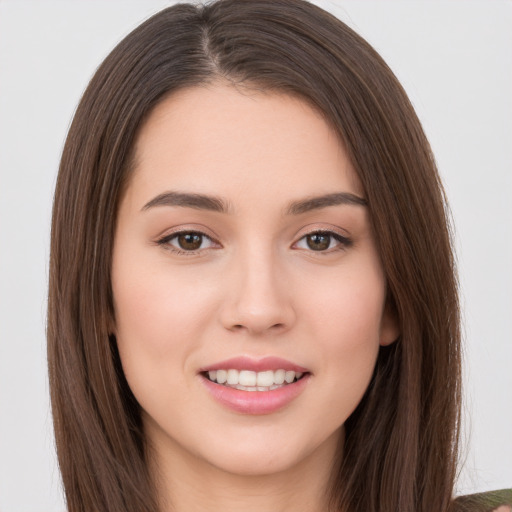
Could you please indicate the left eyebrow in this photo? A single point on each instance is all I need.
(318, 202)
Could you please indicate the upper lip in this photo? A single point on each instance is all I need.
(255, 365)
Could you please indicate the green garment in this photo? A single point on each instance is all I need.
(483, 502)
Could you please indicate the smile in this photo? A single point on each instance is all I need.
(247, 380)
(255, 386)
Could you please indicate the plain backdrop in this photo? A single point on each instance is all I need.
(454, 59)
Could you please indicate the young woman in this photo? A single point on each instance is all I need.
(252, 291)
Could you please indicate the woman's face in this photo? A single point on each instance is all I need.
(243, 248)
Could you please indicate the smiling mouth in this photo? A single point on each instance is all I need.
(247, 380)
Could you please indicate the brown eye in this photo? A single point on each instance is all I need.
(323, 241)
(187, 242)
(190, 241)
(318, 241)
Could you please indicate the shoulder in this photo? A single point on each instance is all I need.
(499, 501)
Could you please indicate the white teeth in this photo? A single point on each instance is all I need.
(247, 378)
(289, 376)
(246, 388)
(254, 381)
(233, 377)
(266, 379)
(279, 376)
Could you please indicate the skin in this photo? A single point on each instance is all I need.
(253, 288)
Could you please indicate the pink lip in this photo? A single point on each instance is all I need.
(255, 365)
(255, 402)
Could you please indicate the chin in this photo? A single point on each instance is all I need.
(256, 463)
(269, 455)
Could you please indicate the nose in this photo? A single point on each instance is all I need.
(257, 299)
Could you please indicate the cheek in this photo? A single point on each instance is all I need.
(160, 308)
(159, 316)
(345, 322)
(347, 305)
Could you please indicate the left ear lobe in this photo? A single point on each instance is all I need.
(389, 325)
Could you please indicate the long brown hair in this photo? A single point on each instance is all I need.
(400, 447)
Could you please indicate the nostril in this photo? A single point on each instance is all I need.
(240, 327)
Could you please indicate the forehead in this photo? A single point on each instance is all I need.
(223, 140)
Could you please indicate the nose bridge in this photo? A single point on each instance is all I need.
(257, 301)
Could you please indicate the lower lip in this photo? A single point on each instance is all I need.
(255, 402)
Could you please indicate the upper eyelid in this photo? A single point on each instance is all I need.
(341, 238)
(329, 229)
(175, 231)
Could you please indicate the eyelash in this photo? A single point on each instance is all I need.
(343, 242)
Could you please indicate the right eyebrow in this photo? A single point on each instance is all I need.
(188, 200)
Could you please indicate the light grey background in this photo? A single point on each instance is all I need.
(454, 59)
